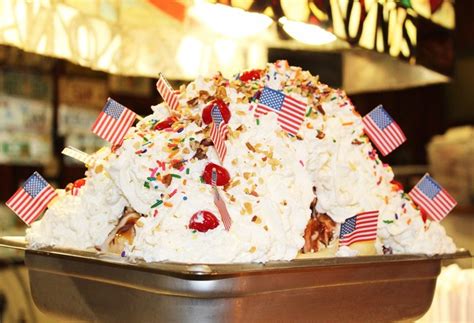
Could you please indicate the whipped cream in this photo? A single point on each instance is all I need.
(274, 179)
(82, 221)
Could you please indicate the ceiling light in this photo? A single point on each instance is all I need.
(228, 21)
(306, 33)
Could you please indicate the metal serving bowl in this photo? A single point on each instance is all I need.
(89, 286)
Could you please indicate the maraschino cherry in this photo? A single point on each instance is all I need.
(223, 176)
(203, 221)
(223, 108)
(251, 75)
(79, 183)
(165, 124)
(397, 184)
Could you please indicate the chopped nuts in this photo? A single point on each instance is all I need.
(234, 134)
(193, 102)
(166, 180)
(99, 169)
(320, 134)
(206, 142)
(203, 95)
(319, 107)
(235, 183)
(177, 165)
(200, 154)
(256, 219)
(248, 207)
(250, 147)
(194, 145)
(221, 92)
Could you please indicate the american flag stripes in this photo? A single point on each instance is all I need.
(290, 111)
(113, 122)
(167, 93)
(383, 131)
(30, 200)
(219, 132)
(362, 227)
(221, 207)
(432, 198)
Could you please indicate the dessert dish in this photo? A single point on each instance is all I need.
(152, 197)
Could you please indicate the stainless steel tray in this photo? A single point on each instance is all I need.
(99, 287)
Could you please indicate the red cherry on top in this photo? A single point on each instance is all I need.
(165, 124)
(223, 108)
(223, 177)
(251, 75)
(203, 221)
(397, 184)
(79, 183)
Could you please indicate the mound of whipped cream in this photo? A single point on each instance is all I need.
(149, 198)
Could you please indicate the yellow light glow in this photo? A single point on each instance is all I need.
(306, 33)
(228, 21)
(189, 56)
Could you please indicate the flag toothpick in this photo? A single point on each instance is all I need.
(361, 227)
(219, 132)
(383, 131)
(221, 207)
(432, 198)
(167, 93)
(79, 155)
(291, 112)
(32, 198)
(113, 122)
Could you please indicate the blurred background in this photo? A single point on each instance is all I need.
(61, 59)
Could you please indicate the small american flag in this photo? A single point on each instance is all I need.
(219, 132)
(30, 200)
(167, 93)
(290, 111)
(113, 122)
(432, 198)
(221, 207)
(383, 131)
(362, 227)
